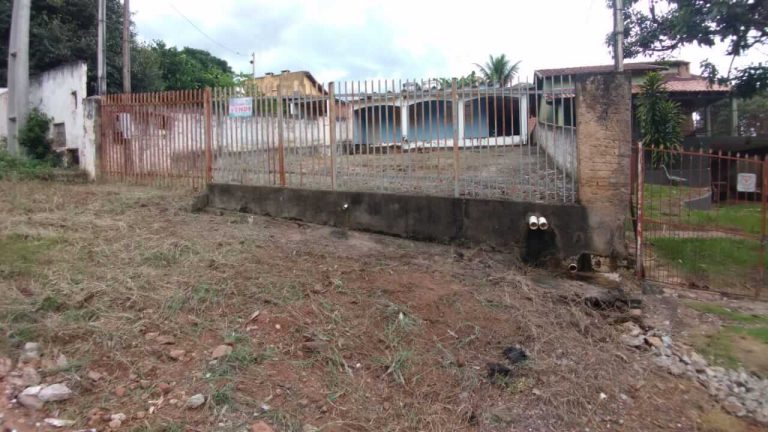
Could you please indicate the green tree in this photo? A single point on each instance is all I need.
(498, 71)
(660, 27)
(470, 80)
(34, 139)
(65, 31)
(659, 118)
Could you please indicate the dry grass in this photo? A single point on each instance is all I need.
(364, 333)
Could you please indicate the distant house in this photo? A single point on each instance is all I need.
(696, 96)
(299, 83)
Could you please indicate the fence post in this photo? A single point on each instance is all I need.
(455, 104)
(280, 141)
(639, 270)
(207, 102)
(332, 131)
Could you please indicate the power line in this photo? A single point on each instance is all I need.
(203, 33)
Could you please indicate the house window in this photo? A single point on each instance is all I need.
(59, 136)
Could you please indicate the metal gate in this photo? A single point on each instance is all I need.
(157, 138)
(701, 219)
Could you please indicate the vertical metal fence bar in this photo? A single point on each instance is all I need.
(332, 130)
(456, 161)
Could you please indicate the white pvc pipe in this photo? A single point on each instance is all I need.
(573, 268)
(533, 222)
(543, 224)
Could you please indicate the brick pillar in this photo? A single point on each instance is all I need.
(604, 136)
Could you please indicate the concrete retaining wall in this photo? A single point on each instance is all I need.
(501, 224)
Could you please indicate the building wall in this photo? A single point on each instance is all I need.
(3, 113)
(59, 93)
(291, 82)
(603, 133)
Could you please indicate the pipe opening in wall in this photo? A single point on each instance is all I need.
(540, 248)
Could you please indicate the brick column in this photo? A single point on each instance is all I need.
(604, 136)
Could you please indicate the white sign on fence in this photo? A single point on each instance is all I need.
(241, 107)
(746, 182)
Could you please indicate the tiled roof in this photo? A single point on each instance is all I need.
(692, 84)
(596, 69)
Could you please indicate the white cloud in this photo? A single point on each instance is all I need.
(347, 39)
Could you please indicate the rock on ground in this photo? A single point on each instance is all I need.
(195, 401)
(55, 392)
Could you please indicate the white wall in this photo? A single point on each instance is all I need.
(60, 93)
(3, 112)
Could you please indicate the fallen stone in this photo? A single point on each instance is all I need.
(151, 335)
(654, 342)
(667, 341)
(114, 424)
(636, 313)
(762, 415)
(30, 377)
(55, 392)
(164, 388)
(732, 406)
(120, 391)
(631, 329)
(260, 426)
(62, 361)
(31, 351)
(632, 341)
(118, 416)
(515, 354)
(29, 402)
(177, 354)
(698, 362)
(6, 365)
(221, 351)
(166, 340)
(195, 401)
(32, 391)
(676, 368)
(59, 423)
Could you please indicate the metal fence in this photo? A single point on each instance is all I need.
(516, 142)
(701, 219)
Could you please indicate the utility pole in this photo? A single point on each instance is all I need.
(126, 46)
(101, 47)
(253, 63)
(618, 33)
(18, 72)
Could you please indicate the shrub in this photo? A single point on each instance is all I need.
(33, 137)
(20, 168)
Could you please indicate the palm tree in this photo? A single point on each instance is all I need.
(659, 118)
(498, 71)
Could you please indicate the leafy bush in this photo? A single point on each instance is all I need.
(33, 137)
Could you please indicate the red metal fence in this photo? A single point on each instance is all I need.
(701, 219)
(157, 138)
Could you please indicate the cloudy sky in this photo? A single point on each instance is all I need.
(367, 39)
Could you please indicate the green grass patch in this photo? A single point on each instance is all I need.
(715, 256)
(667, 203)
(20, 168)
(728, 314)
(19, 254)
(719, 349)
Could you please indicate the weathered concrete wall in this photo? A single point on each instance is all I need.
(501, 224)
(560, 144)
(89, 151)
(604, 134)
(59, 93)
(3, 113)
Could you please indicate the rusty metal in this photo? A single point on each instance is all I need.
(694, 217)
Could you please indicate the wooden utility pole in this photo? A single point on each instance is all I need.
(126, 46)
(18, 72)
(618, 33)
(101, 55)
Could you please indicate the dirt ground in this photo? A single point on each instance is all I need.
(328, 329)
